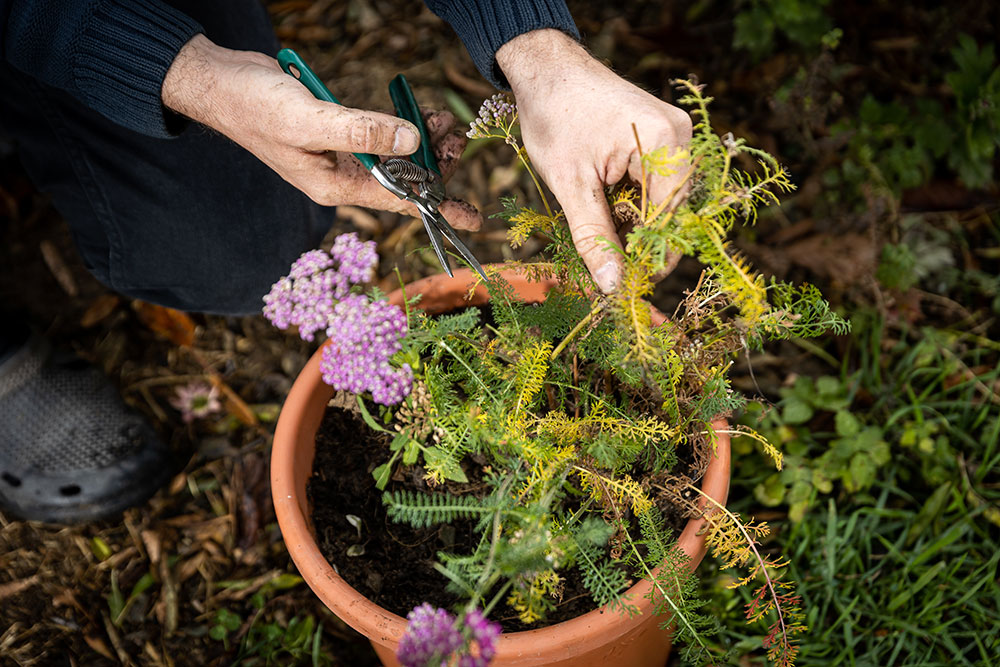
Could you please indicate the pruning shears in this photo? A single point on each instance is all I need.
(417, 179)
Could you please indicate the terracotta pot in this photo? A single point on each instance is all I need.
(591, 639)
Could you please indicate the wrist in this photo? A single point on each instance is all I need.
(541, 55)
(195, 84)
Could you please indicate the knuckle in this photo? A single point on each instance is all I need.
(367, 135)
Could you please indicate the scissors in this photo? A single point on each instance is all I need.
(417, 179)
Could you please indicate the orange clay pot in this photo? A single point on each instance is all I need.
(599, 638)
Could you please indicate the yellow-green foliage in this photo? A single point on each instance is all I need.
(614, 493)
(570, 411)
(530, 376)
(527, 222)
(564, 429)
(533, 598)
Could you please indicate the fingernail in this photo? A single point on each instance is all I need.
(607, 277)
(405, 141)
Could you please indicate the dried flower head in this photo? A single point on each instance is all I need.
(196, 400)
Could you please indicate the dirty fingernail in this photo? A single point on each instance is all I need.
(607, 277)
(405, 141)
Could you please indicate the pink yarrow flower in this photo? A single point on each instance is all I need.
(433, 638)
(364, 335)
(196, 400)
(306, 296)
(316, 296)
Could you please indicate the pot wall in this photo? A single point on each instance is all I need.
(591, 639)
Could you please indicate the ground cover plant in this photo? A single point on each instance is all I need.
(576, 407)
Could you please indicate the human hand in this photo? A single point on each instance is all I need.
(248, 98)
(576, 122)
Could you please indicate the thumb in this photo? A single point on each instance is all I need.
(590, 224)
(347, 130)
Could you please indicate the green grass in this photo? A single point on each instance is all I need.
(902, 569)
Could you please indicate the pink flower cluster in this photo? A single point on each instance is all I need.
(432, 637)
(364, 335)
(316, 296)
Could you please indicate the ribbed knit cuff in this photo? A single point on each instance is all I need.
(124, 51)
(486, 25)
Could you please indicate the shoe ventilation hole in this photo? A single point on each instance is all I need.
(69, 490)
(10, 479)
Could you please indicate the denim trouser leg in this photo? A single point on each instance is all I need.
(194, 222)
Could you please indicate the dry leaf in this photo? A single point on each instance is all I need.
(175, 326)
(53, 260)
(98, 645)
(99, 309)
(236, 406)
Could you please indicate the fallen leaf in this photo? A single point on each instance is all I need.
(360, 218)
(98, 645)
(175, 326)
(236, 406)
(53, 260)
(847, 259)
(99, 309)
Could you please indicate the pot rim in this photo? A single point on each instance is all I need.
(385, 627)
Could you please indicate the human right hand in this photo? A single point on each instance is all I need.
(580, 122)
(247, 97)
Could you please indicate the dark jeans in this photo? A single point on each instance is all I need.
(195, 222)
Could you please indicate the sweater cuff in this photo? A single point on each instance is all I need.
(122, 57)
(486, 25)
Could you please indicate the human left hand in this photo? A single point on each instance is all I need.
(577, 119)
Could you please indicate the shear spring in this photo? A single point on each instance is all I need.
(406, 170)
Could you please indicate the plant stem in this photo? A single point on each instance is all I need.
(752, 543)
(467, 367)
(534, 178)
(598, 306)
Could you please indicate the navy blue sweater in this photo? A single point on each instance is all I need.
(112, 55)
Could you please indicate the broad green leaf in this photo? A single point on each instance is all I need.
(861, 473)
(381, 475)
(847, 424)
(771, 491)
(795, 411)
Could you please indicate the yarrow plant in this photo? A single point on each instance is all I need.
(364, 334)
(555, 429)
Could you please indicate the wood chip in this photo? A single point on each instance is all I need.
(151, 539)
(12, 588)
